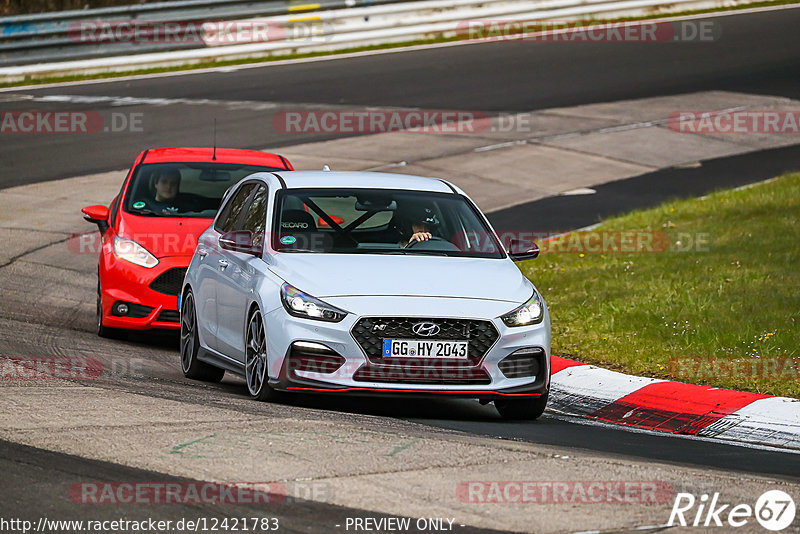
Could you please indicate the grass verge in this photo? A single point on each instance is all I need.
(404, 44)
(717, 302)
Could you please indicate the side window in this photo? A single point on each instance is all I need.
(233, 208)
(255, 219)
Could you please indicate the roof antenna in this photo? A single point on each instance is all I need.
(214, 155)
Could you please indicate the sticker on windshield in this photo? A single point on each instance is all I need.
(288, 240)
(138, 205)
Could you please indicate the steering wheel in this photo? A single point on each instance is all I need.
(184, 207)
(415, 243)
(434, 243)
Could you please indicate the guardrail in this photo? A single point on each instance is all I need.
(326, 28)
(46, 37)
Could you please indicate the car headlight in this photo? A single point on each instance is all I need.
(130, 250)
(303, 305)
(531, 312)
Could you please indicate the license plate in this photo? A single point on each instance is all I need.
(418, 348)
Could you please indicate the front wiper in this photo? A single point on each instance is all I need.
(405, 252)
(144, 211)
(299, 250)
(430, 253)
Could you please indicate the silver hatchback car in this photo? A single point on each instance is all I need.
(359, 283)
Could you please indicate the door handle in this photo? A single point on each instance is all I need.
(223, 264)
(202, 253)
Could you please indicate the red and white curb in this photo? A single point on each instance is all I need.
(587, 391)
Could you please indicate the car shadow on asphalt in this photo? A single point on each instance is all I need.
(398, 407)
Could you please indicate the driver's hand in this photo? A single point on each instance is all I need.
(420, 236)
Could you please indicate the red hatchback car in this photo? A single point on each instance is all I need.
(150, 230)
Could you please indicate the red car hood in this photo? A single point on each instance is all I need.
(164, 236)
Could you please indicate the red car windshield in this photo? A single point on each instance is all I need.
(192, 190)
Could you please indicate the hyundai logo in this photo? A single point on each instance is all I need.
(426, 329)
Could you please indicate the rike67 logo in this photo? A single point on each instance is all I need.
(774, 510)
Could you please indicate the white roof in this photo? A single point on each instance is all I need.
(361, 179)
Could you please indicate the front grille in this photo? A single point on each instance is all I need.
(135, 311)
(369, 333)
(169, 316)
(170, 281)
(437, 373)
(522, 363)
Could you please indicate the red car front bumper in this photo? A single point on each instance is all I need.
(151, 294)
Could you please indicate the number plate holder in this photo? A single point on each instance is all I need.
(426, 348)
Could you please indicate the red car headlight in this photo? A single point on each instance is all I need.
(130, 250)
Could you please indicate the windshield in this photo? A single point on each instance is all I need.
(379, 221)
(183, 189)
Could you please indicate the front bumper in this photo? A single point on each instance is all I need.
(346, 372)
(310, 386)
(122, 281)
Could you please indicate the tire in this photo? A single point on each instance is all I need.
(522, 409)
(190, 345)
(256, 374)
(104, 331)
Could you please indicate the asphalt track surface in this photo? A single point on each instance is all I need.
(758, 54)
(558, 214)
(755, 53)
(44, 479)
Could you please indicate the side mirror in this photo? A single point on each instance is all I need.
(240, 241)
(98, 215)
(520, 250)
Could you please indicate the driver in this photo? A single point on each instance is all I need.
(419, 222)
(166, 184)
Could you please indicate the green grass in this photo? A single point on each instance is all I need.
(734, 299)
(435, 40)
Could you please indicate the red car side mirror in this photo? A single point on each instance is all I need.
(98, 215)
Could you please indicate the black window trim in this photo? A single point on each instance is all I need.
(249, 204)
(245, 206)
(280, 179)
